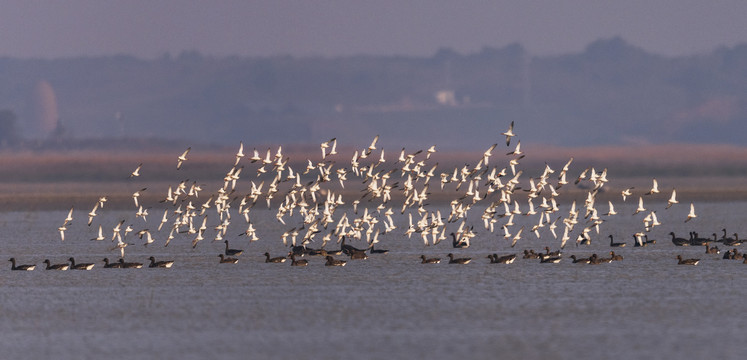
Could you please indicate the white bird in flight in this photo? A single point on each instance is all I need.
(509, 133)
(672, 200)
(691, 215)
(136, 172)
(182, 158)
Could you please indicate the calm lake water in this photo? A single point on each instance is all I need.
(388, 306)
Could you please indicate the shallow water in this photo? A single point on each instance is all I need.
(646, 306)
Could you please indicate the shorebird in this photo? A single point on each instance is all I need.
(672, 200)
(136, 195)
(69, 217)
(239, 154)
(640, 206)
(101, 235)
(654, 188)
(62, 229)
(627, 192)
(509, 133)
(92, 214)
(691, 215)
(136, 172)
(182, 158)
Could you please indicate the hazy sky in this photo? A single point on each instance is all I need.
(150, 28)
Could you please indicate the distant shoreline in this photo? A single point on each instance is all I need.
(54, 180)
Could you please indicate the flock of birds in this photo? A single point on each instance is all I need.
(317, 204)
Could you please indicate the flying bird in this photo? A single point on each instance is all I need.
(654, 188)
(182, 158)
(509, 133)
(691, 215)
(672, 200)
(136, 172)
(239, 154)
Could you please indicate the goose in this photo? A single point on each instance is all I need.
(425, 260)
(294, 262)
(227, 260)
(232, 252)
(594, 260)
(638, 240)
(647, 241)
(679, 241)
(458, 244)
(744, 256)
(723, 237)
(334, 262)
(615, 257)
(279, 259)
(81, 266)
(161, 264)
(682, 261)
(581, 260)
(550, 260)
(130, 265)
(733, 242)
(318, 252)
(63, 266)
(506, 259)
(108, 265)
(698, 241)
(731, 254)
(21, 267)
(554, 253)
(713, 250)
(614, 244)
(358, 255)
(334, 252)
(452, 260)
(347, 249)
(530, 254)
(378, 251)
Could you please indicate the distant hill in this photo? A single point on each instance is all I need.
(613, 93)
